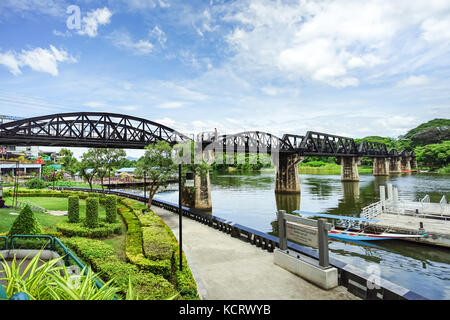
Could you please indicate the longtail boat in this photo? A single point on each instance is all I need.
(356, 234)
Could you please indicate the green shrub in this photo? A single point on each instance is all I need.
(73, 212)
(35, 183)
(111, 208)
(149, 236)
(102, 259)
(186, 284)
(444, 170)
(157, 243)
(101, 230)
(91, 212)
(25, 223)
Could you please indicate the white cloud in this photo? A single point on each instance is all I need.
(204, 22)
(66, 34)
(38, 59)
(170, 105)
(93, 20)
(141, 5)
(414, 81)
(9, 60)
(436, 30)
(123, 40)
(55, 8)
(95, 104)
(334, 42)
(128, 108)
(158, 34)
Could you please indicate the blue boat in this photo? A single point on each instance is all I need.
(349, 233)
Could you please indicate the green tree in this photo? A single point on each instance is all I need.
(158, 167)
(50, 174)
(89, 165)
(435, 155)
(68, 161)
(109, 159)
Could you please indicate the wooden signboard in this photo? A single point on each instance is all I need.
(302, 234)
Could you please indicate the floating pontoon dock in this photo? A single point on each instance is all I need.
(410, 217)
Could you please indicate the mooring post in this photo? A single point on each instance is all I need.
(282, 229)
(324, 260)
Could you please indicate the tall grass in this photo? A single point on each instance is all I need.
(50, 280)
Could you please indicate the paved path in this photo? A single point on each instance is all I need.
(227, 268)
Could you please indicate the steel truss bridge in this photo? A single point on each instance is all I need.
(110, 130)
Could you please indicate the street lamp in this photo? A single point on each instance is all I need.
(145, 185)
(189, 179)
(54, 178)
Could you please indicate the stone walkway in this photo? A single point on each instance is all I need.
(227, 268)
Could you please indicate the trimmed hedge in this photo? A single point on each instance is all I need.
(26, 223)
(73, 206)
(103, 260)
(91, 212)
(157, 240)
(111, 208)
(102, 230)
(133, 247)
(148, 232)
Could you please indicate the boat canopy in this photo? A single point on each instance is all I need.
(332, 216)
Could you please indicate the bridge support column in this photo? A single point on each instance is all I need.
(413, 164)
(287, 180)
(349, 168)
(395, 165)
(406, 164)
(380, 166)
(199, 196)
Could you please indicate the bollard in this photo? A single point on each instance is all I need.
(282, 229)
(324, 260)
(421, 229)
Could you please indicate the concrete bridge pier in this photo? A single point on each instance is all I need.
(199, 196)
(380, 166)
(349, 168)
(413, 164)
(406, 164)
(287, 180)
(395, 165)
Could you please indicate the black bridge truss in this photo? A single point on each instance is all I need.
(101, 130)
(87, 129)
(311, 144)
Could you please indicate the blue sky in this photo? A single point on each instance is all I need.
(353, 68)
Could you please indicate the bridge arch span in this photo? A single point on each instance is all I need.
(88, 129)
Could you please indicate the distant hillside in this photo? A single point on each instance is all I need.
(434, 131)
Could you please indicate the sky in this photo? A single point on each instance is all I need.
(349, 67)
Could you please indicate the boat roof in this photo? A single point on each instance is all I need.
(332, 216)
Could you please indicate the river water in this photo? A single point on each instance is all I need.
(249, 199)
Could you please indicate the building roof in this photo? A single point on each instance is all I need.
(126, 170)
(21, 165)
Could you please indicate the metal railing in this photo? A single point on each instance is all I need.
(372, 210)
(53, 242)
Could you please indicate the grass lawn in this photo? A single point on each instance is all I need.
(46, 220)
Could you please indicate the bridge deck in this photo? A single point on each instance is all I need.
(227, 268)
